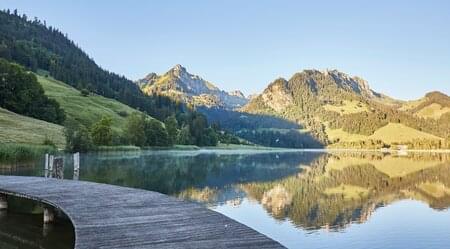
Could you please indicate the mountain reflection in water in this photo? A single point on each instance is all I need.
(290, 196)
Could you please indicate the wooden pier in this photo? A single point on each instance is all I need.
(112, 217)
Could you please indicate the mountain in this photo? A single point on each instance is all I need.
(433, 105)
(341, 110)
(179, 84)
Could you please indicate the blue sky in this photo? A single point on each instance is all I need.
(401, 47)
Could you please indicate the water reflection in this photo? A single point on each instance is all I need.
(295, 197)
(339, 189)
(22, 227)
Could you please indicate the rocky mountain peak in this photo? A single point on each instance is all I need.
(179, 83)
(237, 93)
(179, 67)
(178, 70)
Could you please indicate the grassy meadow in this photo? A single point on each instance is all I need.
(86, 110)
(15, 128)
(348, 107)
(390, 133)
(399, 133)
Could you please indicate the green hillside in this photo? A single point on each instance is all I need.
(15, 128)
(343, 111)
(85, 109)
(435, 105)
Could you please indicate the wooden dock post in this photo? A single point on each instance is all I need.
(76, 161)
(59, 168)
(46, 162)
(76, 166)
(46, 165)
(3, 202)
(49, 215)
(50, 162)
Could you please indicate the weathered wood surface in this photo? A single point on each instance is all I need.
(106, 216)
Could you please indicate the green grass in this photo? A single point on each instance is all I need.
(390, 133)
(348, 107)
(21, 152)
(400, 133)
(15, 128)
(86, 110)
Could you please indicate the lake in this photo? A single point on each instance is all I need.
(314, 199)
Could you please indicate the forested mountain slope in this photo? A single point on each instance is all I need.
(339, 109)
(35, 45)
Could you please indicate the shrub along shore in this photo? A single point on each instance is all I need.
(22, 152)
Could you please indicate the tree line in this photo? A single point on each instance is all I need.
(274, 138)
(143, 131)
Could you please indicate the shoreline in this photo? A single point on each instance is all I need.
(13, 152)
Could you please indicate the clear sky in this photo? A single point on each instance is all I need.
(401, 47)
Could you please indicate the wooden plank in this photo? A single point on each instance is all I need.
(112, 217)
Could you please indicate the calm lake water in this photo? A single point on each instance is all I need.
(301, 199)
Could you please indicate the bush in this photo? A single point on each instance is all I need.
(78, 138)
(101, 132)
(49, 142)
(171, 125)
(184, 136)
(143, 131)
(122, 114)
(84, 92)
(134, 131)
(155, 133)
